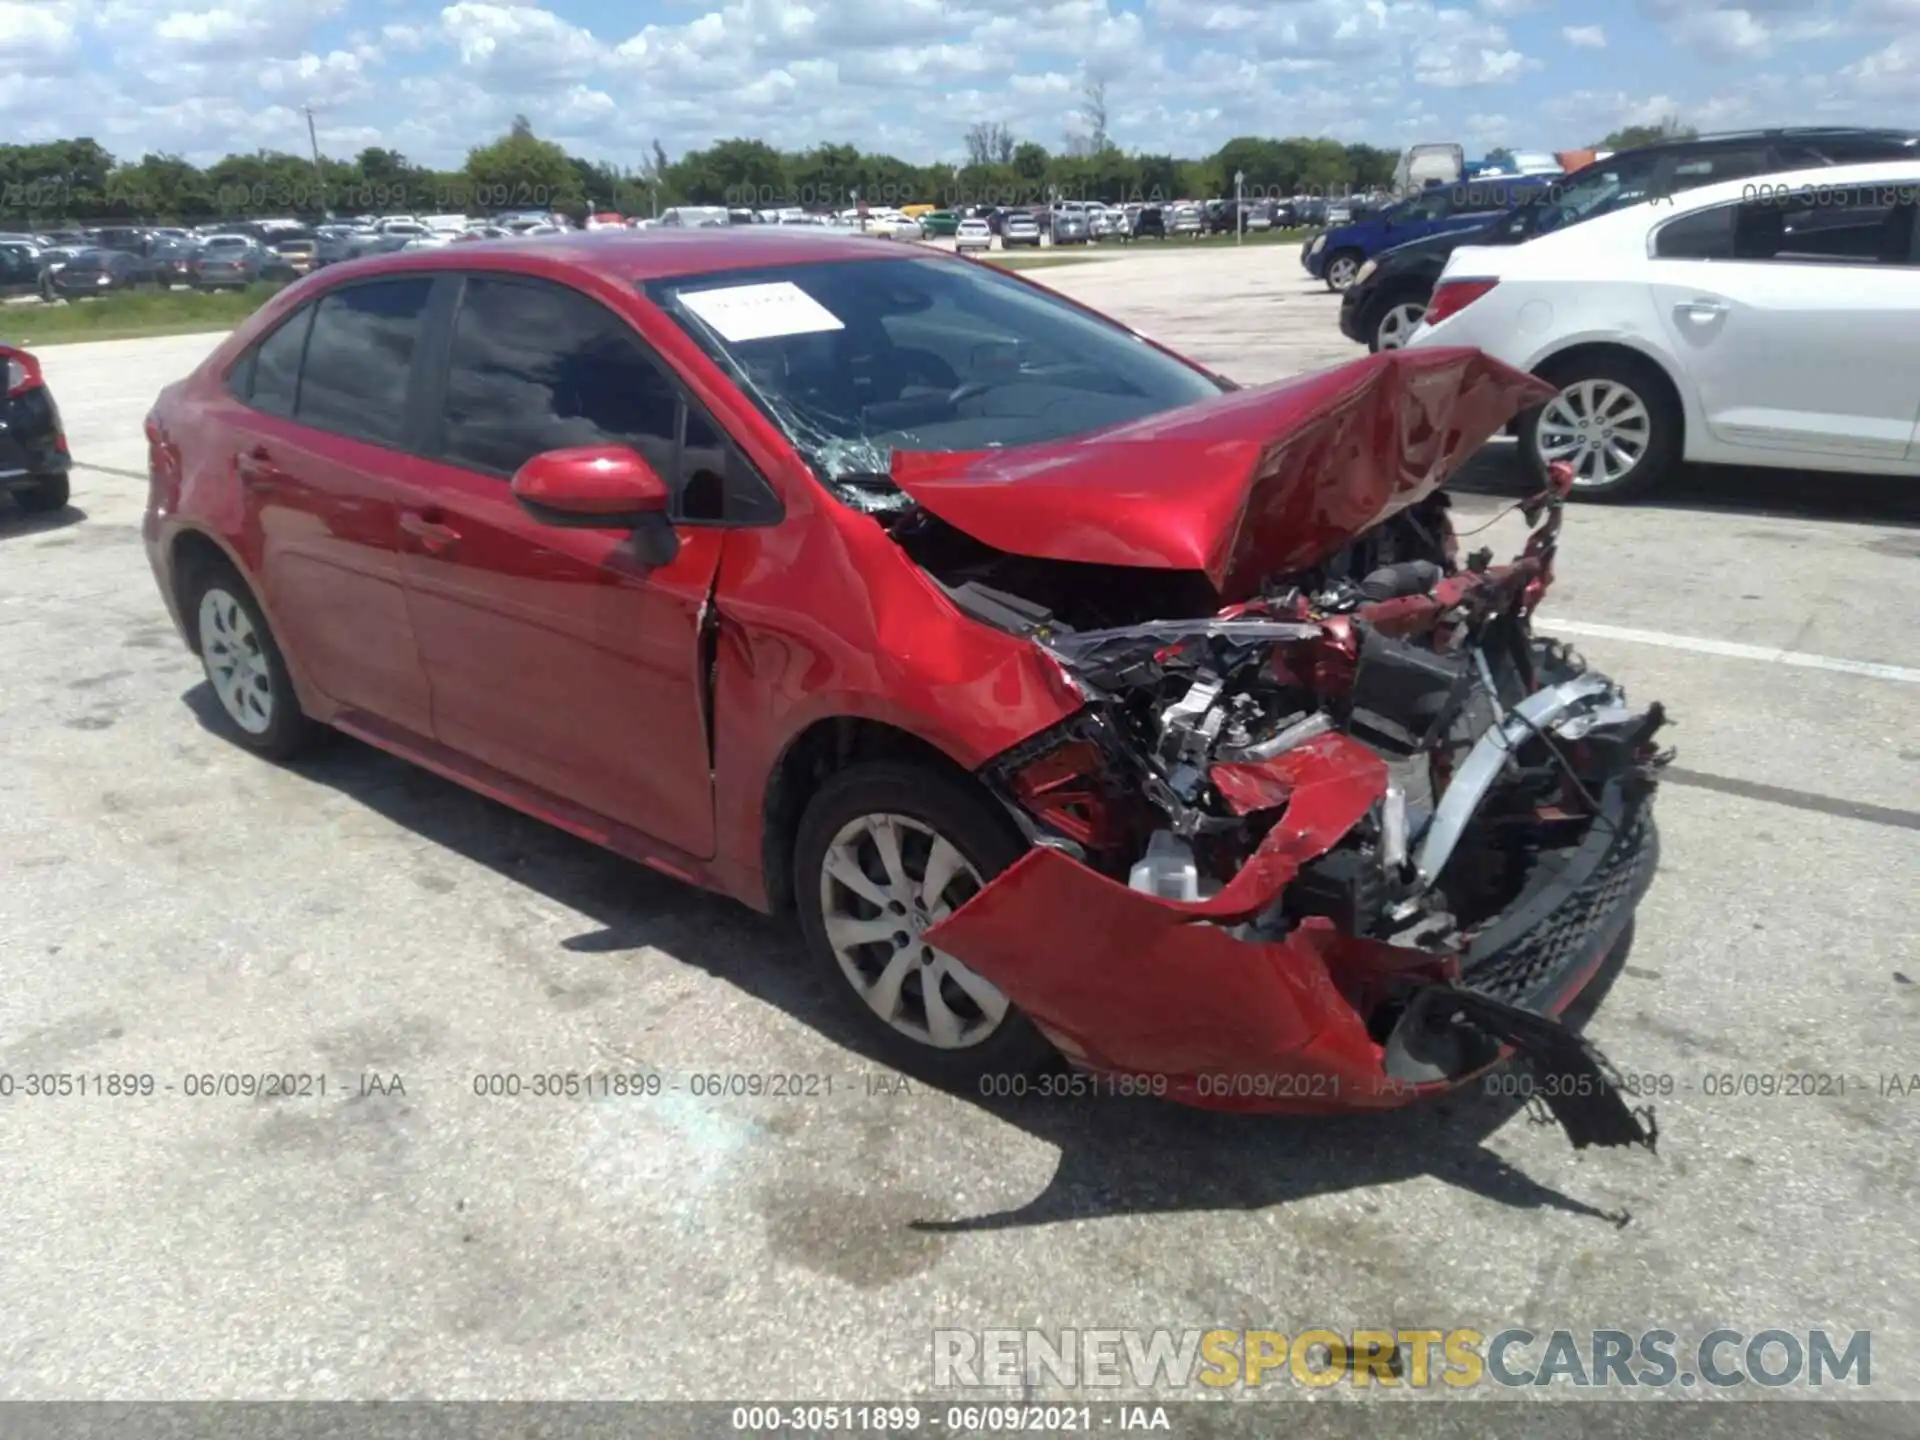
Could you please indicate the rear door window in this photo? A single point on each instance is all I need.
(359, 359)
(1817, 225)
(1828, 225)
(268, 377)
(1706, 235)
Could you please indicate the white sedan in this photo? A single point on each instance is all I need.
(973, 234)
(1771, 321)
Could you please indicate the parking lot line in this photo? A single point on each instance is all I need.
(1732, 650)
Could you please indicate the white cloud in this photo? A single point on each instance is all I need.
(34, 36)
(431, 78)
(522, 44)
(1889, 74)
(1725, 34)
(406, 39)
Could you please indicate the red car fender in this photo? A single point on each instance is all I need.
(897, 653)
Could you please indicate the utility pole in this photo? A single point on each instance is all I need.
(319, 173)
(1239, 206)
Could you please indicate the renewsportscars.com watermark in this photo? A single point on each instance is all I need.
(1457, 1359)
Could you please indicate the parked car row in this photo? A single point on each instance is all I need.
(1770, 324)
(66, 265)
(1387, 294)
(1747, 297)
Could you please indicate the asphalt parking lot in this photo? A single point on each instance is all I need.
(170, 906)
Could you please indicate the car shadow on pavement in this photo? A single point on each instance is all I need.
(1143, 1157)
(1117, 1156)
(15, 522)
(1748, 490)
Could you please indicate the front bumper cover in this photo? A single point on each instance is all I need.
(1319, 1021)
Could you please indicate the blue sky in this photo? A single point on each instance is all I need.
(606, 77)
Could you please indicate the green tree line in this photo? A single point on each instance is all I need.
(79, 181)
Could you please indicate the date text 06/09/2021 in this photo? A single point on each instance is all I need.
(910, 1419)
(195, 1085)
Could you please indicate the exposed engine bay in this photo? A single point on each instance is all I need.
(1373, 759)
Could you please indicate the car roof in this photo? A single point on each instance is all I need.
(1604, 230)
(1782, 184)
(1728, 139)
(625, 256)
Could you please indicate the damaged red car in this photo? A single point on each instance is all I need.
(1080, 702)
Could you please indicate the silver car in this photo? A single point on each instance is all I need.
(1070, 227)
(1019, 228)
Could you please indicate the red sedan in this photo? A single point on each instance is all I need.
(1078, 700)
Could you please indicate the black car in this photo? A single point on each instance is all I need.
(100, 272)
(1150, 223)
(122, 237)
(33, 445)
(172, 262)
(1382, 307)
(19, 268)
(1224, 217)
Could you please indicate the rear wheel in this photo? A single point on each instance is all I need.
(884, 852)
(47, 494)
(1613, 421)
(244, 666)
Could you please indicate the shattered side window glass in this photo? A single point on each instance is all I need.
(857, 360)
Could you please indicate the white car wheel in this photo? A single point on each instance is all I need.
(1600, 427)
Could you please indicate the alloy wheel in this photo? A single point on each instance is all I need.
(1600, 427)
(1399, 323)
(1341, 271)
(236, 662)
(884, 881)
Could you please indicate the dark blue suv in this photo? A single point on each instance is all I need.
(1336, 255)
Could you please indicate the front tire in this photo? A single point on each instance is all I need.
(1613, 420)
(45, 495)
(885, 850)
(245, 667)
(1399, 318)
(1343, 268)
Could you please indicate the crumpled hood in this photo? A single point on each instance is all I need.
(1258, 482)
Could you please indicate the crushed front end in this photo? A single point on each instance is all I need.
(1338, 846)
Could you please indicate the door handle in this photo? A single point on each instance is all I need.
(256, 469)
(434, 537)
(1700, 310)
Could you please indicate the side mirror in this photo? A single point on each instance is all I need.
(603, 486)
(600, 487)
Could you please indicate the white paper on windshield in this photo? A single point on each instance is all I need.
(761, 312)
